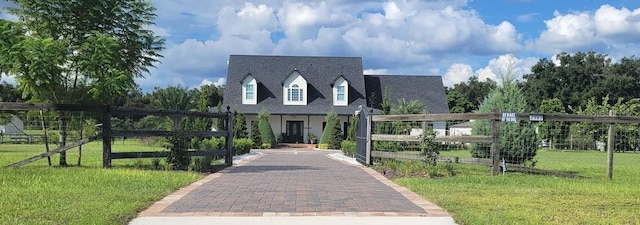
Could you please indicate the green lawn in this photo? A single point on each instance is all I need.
(474, 197)
(38, 194)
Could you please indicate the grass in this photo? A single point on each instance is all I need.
(474, 197)
(87, 194)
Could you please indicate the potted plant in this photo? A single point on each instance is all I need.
(313, 139)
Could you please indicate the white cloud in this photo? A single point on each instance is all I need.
(376, 72)
(162, 32)
(503, 64)
(6, 78)
(457, 73)
(246, 21)
(570, 32)
(619, 25)
(220, 82)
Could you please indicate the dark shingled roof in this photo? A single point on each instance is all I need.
(427, 89)
(270, 71)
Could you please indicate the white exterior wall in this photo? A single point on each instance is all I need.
(462, 131)
(16, 126)
(439, 127)
(312, 124)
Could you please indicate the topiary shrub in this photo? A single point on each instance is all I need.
(332, 134)
(323, 146)
(215, 143)
(266, 133)
(242, 145)
(255, 135)
(239, 125)
(348, 148)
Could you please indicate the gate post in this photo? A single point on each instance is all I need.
(229, 159)
(495, 144)
(610, 147)
(369, 144)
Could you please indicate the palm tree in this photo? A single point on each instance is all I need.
(408, 107)
(174, 98)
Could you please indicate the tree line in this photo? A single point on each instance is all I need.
(573, 79)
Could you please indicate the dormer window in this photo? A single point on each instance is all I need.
(340, 91)
(295, 94)
(249, 90)
(294, 89)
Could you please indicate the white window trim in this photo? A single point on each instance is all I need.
(341, 83)
(251, 101)
(295, 79)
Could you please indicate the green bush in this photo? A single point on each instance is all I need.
(353, 126)
(265, 146)
(201, 164)
(239, 125)
(255, 134)
(215, 143)
(518, 141)
(178, 156)
(323, 146)
(332, 134)
(266, 133)
(348, 148)
(242, 145)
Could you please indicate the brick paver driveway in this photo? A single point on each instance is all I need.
(295, 183)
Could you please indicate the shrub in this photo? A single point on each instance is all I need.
(242, 145)
(255, 134)
(178, 156)
(348, 148)
(155, 163)
(332, 134)
(265, 146)
(239, 125)
(215, 143)
(323, 146)
(518, 141)
(353, 126)
(266, 133)
(201, 164)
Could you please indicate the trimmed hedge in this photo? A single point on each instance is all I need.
(242, 145)
(348, 148)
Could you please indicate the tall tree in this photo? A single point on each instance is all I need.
(466, 96)
(572, 79)
(518, 141)
(79, 51)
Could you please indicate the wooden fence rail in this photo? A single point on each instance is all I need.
(108, 133)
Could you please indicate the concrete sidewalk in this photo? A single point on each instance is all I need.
(294, 186)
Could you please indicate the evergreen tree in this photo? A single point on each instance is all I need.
(353, 128)
(239, 125)
(255, 134)
(332, 134)
(266, 132)
(518, 141)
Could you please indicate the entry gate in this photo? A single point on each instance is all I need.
(363, 138)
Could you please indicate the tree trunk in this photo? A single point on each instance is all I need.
(63, 137)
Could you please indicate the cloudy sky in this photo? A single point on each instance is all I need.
(452, 38)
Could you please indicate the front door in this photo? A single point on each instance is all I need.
(294, 131)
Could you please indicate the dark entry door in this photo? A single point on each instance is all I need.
(294, 131)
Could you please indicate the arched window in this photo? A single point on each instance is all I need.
(295, 94)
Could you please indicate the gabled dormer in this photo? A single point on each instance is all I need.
(294, 89)
(249, 90)
(340, 87)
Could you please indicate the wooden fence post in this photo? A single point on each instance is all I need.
(230, 152)
(610, 147)
(495, 144)
(106, 138)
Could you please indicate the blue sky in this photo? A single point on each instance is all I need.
(452, 38)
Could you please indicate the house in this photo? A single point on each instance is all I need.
(298, 91)
(461, 129)
(13, 127)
